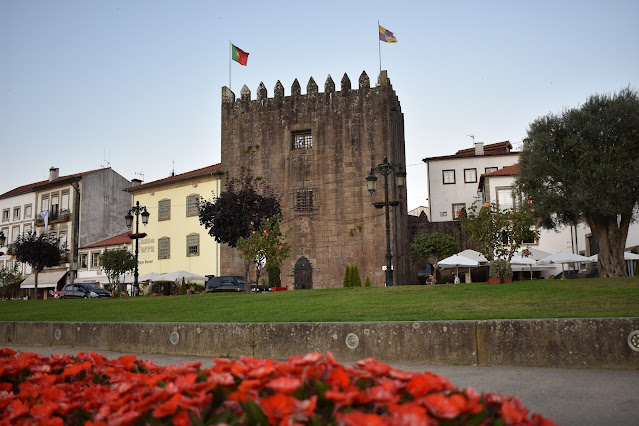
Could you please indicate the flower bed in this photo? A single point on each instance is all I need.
(313, 389)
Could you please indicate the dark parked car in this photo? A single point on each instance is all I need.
(232, 284)
(83, 291)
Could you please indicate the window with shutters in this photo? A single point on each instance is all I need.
(164, 209)
(164, 251)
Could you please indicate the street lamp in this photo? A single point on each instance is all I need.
(385, 169)
(138, 211)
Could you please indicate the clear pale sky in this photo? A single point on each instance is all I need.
(137, 84)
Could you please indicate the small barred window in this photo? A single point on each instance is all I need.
(305, 199)
(302, 140)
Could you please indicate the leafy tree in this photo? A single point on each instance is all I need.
(10, 280)
(500, 232)
(265, 244)
(583, 164)
(228, 216)
(38, 251)
(436, 245)
(116, 263)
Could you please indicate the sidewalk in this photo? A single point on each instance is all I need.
(569, 397)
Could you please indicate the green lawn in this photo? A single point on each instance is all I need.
(611, 297)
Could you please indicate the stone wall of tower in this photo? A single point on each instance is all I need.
(352, 130)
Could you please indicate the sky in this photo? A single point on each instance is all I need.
(136, 85)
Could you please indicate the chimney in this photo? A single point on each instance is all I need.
(479, 148)
(54, 173)
(136, 182)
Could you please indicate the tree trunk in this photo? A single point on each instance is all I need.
(610, 235)
(247, 283)
(35, 283)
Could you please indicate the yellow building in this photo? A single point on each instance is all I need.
(175, 239)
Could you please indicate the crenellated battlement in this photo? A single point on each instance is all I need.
(312, 90)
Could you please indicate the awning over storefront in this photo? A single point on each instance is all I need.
(102, 279)
(45, 279)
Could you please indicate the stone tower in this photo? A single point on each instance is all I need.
(315, 150)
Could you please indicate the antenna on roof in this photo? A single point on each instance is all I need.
(173, 168)
(139, 174)
(472, 136)
(106, 162)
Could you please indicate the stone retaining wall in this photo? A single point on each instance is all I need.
(565, 343)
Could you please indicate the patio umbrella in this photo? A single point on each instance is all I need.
(179, 275)
(563, 258)
(457, 260)
(151, 276)
(520, 261)
(626, 256)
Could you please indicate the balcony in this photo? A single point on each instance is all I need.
(55, 217)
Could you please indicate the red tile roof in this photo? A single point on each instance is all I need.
(117, 240)
(513, 170)
(499, 148)
(214, 169)
(33, 186)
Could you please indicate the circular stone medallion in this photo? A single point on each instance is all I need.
(633, 340)
(352, 340)
(175, 338)
(57, 334)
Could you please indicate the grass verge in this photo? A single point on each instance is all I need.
(579, 298)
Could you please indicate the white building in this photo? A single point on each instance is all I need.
(453, 179)
(498, 186)
(89, 268)
(18, 216)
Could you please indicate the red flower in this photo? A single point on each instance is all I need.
(444, 407)
(286, 385)
(357, 418)
(277, 406)
(167, 408)
(412, 415)
(345, 397)
(513, 412)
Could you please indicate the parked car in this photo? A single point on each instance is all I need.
(230, 284)
(83, 291)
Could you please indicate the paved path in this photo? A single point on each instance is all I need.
(568, 396)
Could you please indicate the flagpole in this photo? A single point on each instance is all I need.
(230, 54)
(379, 46)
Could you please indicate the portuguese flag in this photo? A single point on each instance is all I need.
(239, 55)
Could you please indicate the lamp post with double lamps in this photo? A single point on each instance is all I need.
(138, 211)
(385, 169)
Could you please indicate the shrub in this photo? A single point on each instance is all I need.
(308, 389)
(500, 268)
(274, 278)
(183, 287)
(356, 280)
(368, 282)
(347, 276)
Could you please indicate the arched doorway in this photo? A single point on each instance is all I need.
(303, 273)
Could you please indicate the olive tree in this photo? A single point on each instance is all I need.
(583, 164)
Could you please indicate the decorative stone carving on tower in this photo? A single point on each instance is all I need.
(315, 152)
